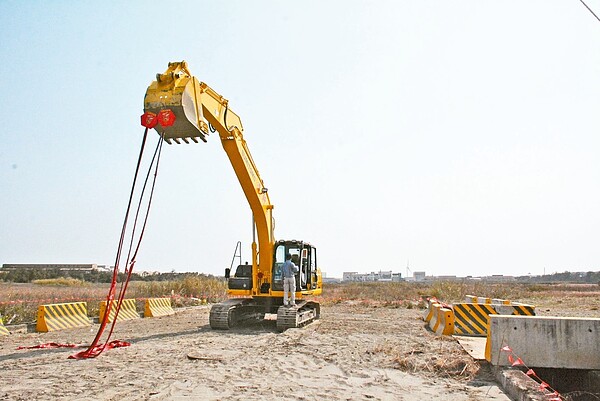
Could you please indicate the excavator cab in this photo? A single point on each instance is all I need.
(304, 256)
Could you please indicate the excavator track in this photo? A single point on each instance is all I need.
(220, 316)
(231, 312)
(302, 313)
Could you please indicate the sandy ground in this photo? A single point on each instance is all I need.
(353, 352)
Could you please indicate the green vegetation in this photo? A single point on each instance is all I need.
(565, 277)
(95, 276)
(62, 281)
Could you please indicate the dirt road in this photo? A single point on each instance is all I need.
(353, 352)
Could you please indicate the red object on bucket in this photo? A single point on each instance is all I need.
(149, 119)
(166, 117)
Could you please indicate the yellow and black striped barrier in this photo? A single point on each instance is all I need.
(3, 329)
(62, 316)
(128, 310)
(472, 319)
(155, 307)
(523, 309)
(503, 306)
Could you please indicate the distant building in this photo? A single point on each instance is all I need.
(445, 278)
(371, 277)
(349, 276)
(419, 276)
(61, 267)
(499, 278)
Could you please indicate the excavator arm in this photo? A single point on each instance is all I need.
(199, 110)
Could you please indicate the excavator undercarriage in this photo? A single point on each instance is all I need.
(238, 311)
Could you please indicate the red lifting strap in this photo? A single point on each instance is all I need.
(97, 349)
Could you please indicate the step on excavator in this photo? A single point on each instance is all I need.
(188, 111)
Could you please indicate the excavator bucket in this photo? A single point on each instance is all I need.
(173, 99)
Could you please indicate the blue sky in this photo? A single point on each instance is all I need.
(459, 137)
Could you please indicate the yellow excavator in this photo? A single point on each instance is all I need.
(192, 110)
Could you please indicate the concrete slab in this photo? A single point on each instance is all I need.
(546, 341)
(475, 346)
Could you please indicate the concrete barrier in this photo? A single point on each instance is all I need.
(446, 322)
(545, 342)
(430, 310)
(62, 316)
(155, 307)
(128, 310)
(3, 329)
(442, 320)
(472, 299)
(434, 321)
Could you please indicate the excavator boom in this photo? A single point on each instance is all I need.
(198, 110)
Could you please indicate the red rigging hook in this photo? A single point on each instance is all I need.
(149, 119)
(166, 118)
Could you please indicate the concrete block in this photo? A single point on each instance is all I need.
(545, 341)
(518, 386)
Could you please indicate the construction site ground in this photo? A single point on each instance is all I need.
(354, 352)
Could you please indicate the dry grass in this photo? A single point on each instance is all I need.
(18, 302)
(436, 356)
(409, 295)
(456, 365)
(210, 289)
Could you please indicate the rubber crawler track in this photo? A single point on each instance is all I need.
(230, 313)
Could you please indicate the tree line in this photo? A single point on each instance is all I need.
(564, 277)
(92, 276)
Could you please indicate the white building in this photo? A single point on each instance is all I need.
(384, 276)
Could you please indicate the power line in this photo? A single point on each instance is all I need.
(590, 10)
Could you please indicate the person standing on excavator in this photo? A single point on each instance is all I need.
(289, 271)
